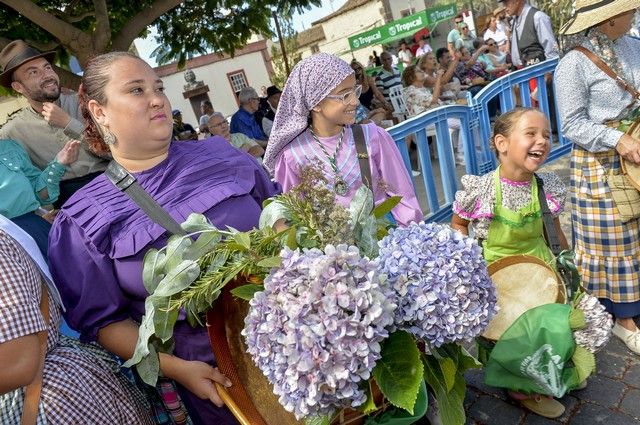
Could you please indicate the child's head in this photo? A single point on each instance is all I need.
(521, 138)
(321, 89)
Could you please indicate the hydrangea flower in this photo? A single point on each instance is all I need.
(595, 335)
(443, 289)
(316, 329)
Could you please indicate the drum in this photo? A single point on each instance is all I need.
(629, 168)
(522, 282)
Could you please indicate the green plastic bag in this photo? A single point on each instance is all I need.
(534, 354)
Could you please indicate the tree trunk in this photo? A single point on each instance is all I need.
(68, 79)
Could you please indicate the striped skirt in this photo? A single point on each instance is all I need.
(607, 250)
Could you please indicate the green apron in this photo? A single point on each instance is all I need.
(534, 354)
(516, 232)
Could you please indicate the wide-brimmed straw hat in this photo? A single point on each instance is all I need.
(592, 12)
(15, 54)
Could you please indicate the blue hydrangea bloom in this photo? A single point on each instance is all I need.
(443, 290)
(316, 329)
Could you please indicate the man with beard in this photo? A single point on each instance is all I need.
(51, 119)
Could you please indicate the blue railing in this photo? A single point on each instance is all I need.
(475, 131)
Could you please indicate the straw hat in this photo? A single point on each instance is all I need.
(592, 12)
(498, 10)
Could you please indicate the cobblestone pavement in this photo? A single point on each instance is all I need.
(612, 396)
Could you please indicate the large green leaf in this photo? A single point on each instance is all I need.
(364, 222)
(164, 319)
(270, 262)
(176, 247)
(197, 223)
(246, 292)
(178, 279)
(450, 402)
(317, 420)
(149, 367)
(145, 332)
(399, 372)
(448, 369)
(243, 240)
(271, 213)
(385, 207)
(206, 242)
(153, 269)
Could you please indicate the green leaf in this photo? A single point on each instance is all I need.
(317, 420)
(270, 262)
(145, 332)
(369, 406)
(206, 242)
(292, 241)
(385, 207)
(246, 292)
(449, 369)
(243, 239)
(149, 367)
(178, 279)
(450, 403)
(364, 223)
(271, 213)
(153, 269)
(176, 247)
(197, 223)
(164, 319)
(399, 372)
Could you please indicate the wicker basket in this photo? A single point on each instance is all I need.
(251, 397)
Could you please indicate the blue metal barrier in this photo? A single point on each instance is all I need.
(475, 131)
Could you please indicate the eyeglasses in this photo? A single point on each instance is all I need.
(464, 28)
(255, 98)
(349, 96)
(491, 44)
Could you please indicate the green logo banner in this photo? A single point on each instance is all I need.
(404, 27)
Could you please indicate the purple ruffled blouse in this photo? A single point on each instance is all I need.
(100, 237)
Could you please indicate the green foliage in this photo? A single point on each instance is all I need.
(192, 28)
(246, 292)
(444, 372)
(399, 372)
(290, 38)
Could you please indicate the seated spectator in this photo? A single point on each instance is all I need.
(218, 126)
(452, 89)
(181, 130)
(469, 71)
(370, 97)
(466, 39)
(80, 383)
(268, 107)
(423, 48)
(404, 54)
(244, 121)
(454, 35)
(418, 98)
(497, 34)
(24, 188)
(388, 76)
(206, 108)
(493, 60)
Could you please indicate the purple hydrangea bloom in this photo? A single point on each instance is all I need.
(444, 293)
(316, 329)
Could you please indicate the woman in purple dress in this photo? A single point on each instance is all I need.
(100, 237)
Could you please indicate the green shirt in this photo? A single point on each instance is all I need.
(20, 181)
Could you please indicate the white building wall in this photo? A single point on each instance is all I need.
(215, 76)
(338, 30)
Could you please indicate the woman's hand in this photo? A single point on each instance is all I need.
(69, 153)
(629, 148)
(198, 377)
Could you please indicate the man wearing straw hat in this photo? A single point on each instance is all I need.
(597, 86)
(51, 119)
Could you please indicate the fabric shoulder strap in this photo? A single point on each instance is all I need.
(551, 235)
(33, 390)
(607, 70)
(363, 155)
(124, 181)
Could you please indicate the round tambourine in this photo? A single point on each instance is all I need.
(629, 168)
(522, 282)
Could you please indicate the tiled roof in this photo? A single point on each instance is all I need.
(312, 35)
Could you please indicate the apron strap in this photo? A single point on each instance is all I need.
(550, 233)
(363, 155)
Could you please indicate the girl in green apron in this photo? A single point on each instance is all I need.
(503, 209)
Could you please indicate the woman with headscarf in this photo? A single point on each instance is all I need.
(100, 236)
(313, 122)
(590, 103)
